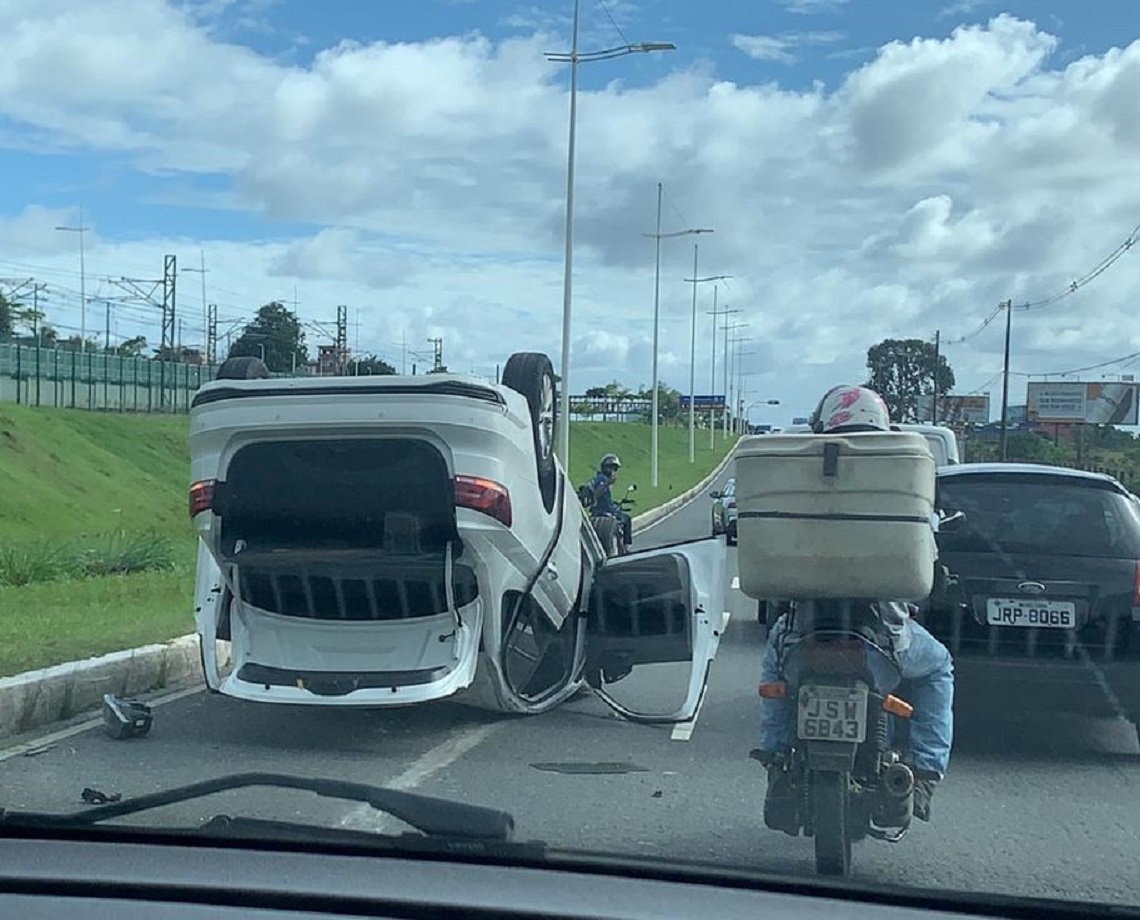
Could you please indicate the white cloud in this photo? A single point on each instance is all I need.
(780, 47)
(808, 7)
(941, 176)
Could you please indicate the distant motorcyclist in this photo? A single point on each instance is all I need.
(921, 658)
(603, 499)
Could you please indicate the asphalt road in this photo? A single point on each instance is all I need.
(1033, 804)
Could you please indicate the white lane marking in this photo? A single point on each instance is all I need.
(443, 755)
(683, 731)
(735, 582)
(44, 741)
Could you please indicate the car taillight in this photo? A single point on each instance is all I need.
(201, 496)
(484, 495)
(1136, 585)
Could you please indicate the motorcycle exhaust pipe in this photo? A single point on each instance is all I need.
(898, 781)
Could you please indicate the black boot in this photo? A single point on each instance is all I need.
(924, 783)
(781, 801)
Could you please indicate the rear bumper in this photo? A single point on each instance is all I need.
(259, 683)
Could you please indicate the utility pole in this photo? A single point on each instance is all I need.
(437, 361)
(693, 368)
(81, 229)
(107, 328)
(937, 369)
(1008, 306)
(728, 373)
(169, 285)
(712, 381)
(211, 335)
(341, 339)
(404, 354)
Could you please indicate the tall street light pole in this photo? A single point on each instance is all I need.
(729, 328)
(658, 237)
(574, 58)
(693, 355)
(81, 229)
(712, 381)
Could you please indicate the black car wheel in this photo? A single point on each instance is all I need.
(730, 534)
(532, 375)
(243, 368)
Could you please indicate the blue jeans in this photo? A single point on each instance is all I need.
(925, 661)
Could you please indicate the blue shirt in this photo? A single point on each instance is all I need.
(603, 499)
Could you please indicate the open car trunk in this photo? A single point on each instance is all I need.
(343, 559)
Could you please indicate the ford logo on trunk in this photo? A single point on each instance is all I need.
(1031, 587)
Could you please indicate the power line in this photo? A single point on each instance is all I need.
(1091, 367)
(1101, 267)
(613, 22)
(1071, 288)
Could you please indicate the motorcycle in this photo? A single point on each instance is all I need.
(846, 764)
(608, 527)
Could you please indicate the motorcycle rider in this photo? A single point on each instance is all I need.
(603, 496)
(921, 658)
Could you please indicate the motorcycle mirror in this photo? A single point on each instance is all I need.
(954, 518)
(632, 487)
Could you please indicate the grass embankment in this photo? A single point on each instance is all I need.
(83, 494)
(590, 441)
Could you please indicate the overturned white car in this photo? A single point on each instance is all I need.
(377, 541)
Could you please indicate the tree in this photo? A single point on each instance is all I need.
(131, 348)
(276, 331)
(75, 343)
(369, 366)
(902, 370)
(7, 319)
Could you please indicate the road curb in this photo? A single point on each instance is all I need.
(37, 698)
(651, 517)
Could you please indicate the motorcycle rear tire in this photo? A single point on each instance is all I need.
(609, 533)
(829, 805)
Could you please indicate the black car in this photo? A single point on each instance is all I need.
(1046, 570)
(724, 511)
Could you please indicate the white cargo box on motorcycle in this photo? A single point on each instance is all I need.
(844, 515)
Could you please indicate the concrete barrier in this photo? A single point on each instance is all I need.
(37, 698)
(653, 515)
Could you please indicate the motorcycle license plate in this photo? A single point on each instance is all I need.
(832, 713)
(1048, 614)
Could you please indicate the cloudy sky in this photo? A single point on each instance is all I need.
(871, 168)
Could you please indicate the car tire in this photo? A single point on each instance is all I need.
(730, 534)
(715, 529)
(532, 375)
(243, 368)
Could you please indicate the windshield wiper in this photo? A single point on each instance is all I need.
(432, 816)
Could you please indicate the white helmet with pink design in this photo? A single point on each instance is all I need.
(850, 408)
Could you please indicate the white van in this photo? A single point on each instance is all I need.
(942, 441)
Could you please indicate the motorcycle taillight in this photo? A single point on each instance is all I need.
(835, 656)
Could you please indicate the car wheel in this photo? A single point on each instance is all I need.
(730, 534)
(243, 368)
(532, 375)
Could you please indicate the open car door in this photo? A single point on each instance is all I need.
(663, 606)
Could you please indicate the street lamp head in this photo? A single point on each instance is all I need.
(646, 47)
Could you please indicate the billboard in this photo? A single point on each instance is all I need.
(956, 410)
(1105, 403)
(703, 403)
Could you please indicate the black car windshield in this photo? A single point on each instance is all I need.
(1038, 515)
